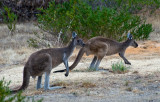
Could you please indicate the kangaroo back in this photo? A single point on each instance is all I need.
(26, 78)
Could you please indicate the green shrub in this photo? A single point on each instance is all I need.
(5, 95)
(32, 43)
(10, 19)
(137, 5)
(132, 6)
(119, 67)
(4, 91)
(79, 16)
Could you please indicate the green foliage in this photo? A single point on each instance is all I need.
(32, 43)
(142, 31)
(79, 16)
(5, 95)
(10, 19)
(132, 6)
(137, 5)
(119, 67)
(4, 91)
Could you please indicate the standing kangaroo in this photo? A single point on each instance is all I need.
(44, 60)
(99, 47)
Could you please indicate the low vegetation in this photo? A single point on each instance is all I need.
(10, 19)
(87, 84)
(119, 67)
(6, 96)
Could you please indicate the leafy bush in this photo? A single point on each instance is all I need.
(4, 91)
(119, 67)
(79, 16)
(133, 6)
(10, 19)
(5, 95)
(137, 5)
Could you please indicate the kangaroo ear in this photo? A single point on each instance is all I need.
(74, 34)
(129, 36)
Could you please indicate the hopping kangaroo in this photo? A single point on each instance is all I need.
(99, 47)
(44, 60)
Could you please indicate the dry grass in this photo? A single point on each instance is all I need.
(129, 89)
(87, 84)
(135, 72)
(14, 49)
(61, 83)
(19, 39)
(23, 33)
(14, 57)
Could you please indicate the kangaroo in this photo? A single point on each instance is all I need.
(44, 60)
(99, 47)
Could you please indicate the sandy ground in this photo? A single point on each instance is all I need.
(140, 84)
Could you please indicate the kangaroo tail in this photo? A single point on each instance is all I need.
(63, 70)
(26, 78)
(80, 54)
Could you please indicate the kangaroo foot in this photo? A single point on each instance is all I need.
(128, 63)
(66, 74)
(39, 86)
(53, 88)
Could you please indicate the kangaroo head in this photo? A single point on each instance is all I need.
(77, 41)
(132, 41)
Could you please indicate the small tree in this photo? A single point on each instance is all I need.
(10, 19)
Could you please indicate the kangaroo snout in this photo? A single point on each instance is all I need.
(136, 45)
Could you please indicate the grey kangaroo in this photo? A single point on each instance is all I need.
(99, 47)
(44, 60)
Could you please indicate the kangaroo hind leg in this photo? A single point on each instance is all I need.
(93, 62)
(39, 81)
(97, 64)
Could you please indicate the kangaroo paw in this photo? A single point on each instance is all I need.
(66, 74)
(128, 63)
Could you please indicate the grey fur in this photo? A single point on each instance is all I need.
(44, 60)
